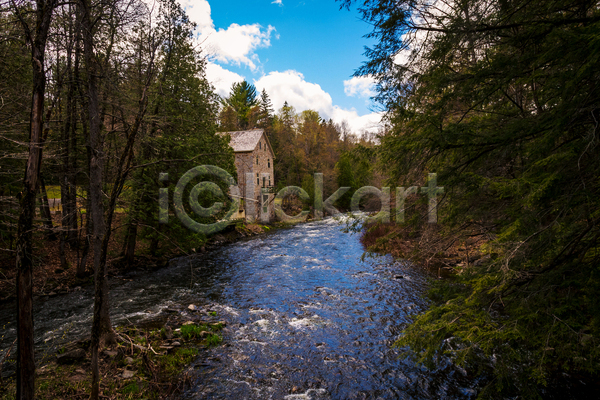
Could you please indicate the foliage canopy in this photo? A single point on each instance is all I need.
(501, 99)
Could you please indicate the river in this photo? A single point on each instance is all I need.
(306, 318)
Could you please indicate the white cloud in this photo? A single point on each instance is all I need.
(235, 45)
(290, 86)
(221, 78)
(358, 123)
(360, 86)
(199, 12)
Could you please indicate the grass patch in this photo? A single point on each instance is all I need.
(213, 340)
(173, 363)
(192, 331)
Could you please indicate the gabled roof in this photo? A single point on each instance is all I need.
(246, 141)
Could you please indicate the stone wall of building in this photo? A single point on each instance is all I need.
(258, 162)
(262, 159)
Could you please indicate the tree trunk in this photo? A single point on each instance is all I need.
(24, 259)
(101, 319)
(82, 264)
(69, 159)
(45, 212)
(68, 187)
(25, 345)
(131, 241)
(62, 252)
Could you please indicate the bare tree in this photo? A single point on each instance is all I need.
(36, 37)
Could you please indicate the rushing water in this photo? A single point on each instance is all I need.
(306, 318)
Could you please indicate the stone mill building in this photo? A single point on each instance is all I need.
(254, 163)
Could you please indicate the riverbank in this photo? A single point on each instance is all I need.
(150, 360)
(51, 279)
(448, 254)
(432, 248)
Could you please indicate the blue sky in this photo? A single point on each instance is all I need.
(302, 51)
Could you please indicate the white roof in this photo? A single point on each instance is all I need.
(243, 141)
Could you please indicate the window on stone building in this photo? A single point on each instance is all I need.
(269, 163)
(257, 179)
(256, 160)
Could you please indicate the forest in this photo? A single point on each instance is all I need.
(97, 100)
(501, 100)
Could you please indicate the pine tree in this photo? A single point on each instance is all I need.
(265, 120)
(243, 100)
(503, 103)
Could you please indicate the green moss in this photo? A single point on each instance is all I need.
(193, 331)
(213, 340)
(173, 363)
(217, 327)
(131, 388)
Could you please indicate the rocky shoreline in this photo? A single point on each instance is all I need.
(149, 360)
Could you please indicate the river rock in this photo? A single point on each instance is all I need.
(168, 332)
(111, 353)
(127, 374)
(71, 356)
(192, 307)
(128, 360)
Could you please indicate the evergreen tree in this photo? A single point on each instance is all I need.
(265, 120)
(180, 134)
(503, 103)
(243, 101)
